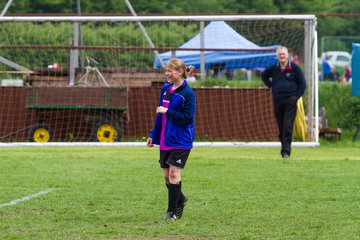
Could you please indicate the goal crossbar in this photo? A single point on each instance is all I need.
(154, 18)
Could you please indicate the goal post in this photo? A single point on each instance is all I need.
(105, 86)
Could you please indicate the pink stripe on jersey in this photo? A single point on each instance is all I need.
(165, 104)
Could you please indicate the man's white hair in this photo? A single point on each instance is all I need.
(282, 48)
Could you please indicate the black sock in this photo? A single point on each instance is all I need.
(173, 196)
(182, 196)
(167, 186)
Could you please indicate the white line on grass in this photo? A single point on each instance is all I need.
(13, 202)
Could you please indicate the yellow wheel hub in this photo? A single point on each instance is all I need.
(106, 133)
(41, 135)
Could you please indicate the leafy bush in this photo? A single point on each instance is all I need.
(223, 82)
(342, 109)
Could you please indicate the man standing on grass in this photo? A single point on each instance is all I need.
(287, 82)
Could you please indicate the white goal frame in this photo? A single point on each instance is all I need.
(310, 71)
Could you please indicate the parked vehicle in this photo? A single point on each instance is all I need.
(337, 58)
(68, 114)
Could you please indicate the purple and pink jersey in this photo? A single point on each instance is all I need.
(166, 102)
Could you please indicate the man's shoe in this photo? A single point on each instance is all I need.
(285, 155)
(180, 209)
(170, 216)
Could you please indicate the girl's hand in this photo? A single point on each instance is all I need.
(161, 110)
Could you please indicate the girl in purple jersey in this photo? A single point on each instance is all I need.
(174, 132)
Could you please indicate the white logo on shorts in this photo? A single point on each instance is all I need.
(178, 161)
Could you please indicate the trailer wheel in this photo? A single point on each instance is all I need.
(106, 131)
(40, 134)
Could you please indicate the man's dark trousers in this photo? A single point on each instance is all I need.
(285, 113)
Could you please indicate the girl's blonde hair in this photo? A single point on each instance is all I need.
(179, 65)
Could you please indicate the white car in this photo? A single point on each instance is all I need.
(337, 58)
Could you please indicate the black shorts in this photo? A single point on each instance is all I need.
(175, 157)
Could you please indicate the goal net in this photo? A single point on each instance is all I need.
(98, 79)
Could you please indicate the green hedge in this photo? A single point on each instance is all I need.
(125, 34)
(342, 109)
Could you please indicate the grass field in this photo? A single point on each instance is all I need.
(234, 193)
